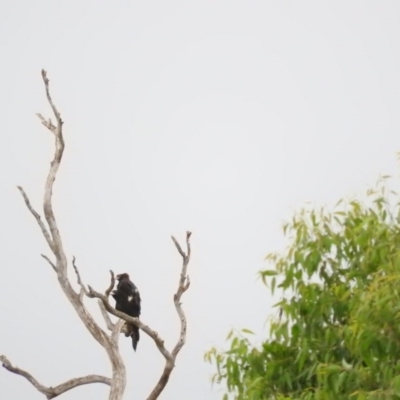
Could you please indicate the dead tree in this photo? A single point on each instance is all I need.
(108, 341)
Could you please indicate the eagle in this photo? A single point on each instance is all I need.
(127, 300)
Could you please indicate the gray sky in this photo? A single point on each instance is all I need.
(220, 117)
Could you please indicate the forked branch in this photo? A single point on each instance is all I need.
(183, 285)
(53, 391)
(53, 238)
(170, 357)
(108, 341)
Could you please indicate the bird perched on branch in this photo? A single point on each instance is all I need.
(127, 300)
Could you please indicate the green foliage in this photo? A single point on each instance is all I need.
(338, 331)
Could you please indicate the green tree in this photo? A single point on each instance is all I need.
(338, 331)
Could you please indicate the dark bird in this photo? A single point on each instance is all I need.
(127, 300)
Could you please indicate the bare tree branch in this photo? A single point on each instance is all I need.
(178, 246)
(104, 313)
(78, 275)
(54, 166)
(52, 392)
(109, 342)
(53, 238)
(109, 323)
(169, 357)
(112, 284)
(112, 348)
(49, 261)
(182, 287)
(116, 330)
(38, 218)
(57, 248)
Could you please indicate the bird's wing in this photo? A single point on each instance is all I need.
(137, 295)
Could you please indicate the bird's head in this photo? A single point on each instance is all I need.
(122, 276)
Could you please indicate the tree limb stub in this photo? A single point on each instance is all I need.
(112, 284)
(49, 261)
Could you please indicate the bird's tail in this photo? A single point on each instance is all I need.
(135, 336)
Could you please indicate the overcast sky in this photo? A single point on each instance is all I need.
(219, 117)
